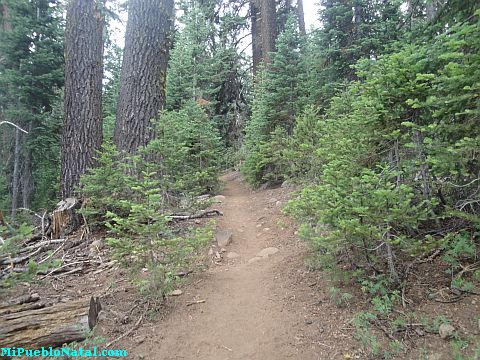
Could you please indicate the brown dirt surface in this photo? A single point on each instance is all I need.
(242, 306)
(268, 308)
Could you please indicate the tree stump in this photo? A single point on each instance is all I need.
(65, 218)
(33, 325)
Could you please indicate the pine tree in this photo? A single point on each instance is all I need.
(31, 48)
(277, 92)
(143, 77)
(82, 126)
(351, 30)
(206, 65)
(277, 100)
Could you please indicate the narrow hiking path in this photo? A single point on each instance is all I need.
(255, 307)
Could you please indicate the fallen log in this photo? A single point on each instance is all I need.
(22, 303)
(48, 326)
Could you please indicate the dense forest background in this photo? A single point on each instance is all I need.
(374, 115)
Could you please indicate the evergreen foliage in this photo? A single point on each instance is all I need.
(133, 195)
(276, 102)
(207, 65)
(188, 150)
(393, 171)
(31, 74)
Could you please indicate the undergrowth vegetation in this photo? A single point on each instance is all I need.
(135, 196)
(389, 170)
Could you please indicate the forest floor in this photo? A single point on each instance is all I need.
(260, 297)
(255, 307)
(246, 306)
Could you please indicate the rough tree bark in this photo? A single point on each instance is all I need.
(268, 27)
(82, 125)
(301, 17)
(5, 24)
(142, 83)
(256, 35)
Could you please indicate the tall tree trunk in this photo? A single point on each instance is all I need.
(27, 178)
(82, 126)
(301, 17)
(256, 35)
(16, 174)
(269, 17)
(142, 83)
(431, 9)
(5, 23)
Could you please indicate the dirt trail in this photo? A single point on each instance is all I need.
(245, 314)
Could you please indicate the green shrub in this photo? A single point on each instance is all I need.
(133, 196)
(187, 152)
(268, 162)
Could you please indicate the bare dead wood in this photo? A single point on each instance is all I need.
(49, 326)
(200, 214)
(65, 218)
(64, 268)
(21, 300)
(23, 307)
(195, 302)
(14, 125)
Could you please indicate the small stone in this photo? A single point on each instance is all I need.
(272, 200)
(259, 225)
(255, 259)
(197, 221)
(140, 339)
(218, 199)
(176, 292)
(308, 322)
(232, 255)
(266, 229)
(217, 255)
(224, 237)
(278, 203)
(267, 252)
(98, 244)
(223, 250)
(446, 331)
(210, 252)
(140, 357)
